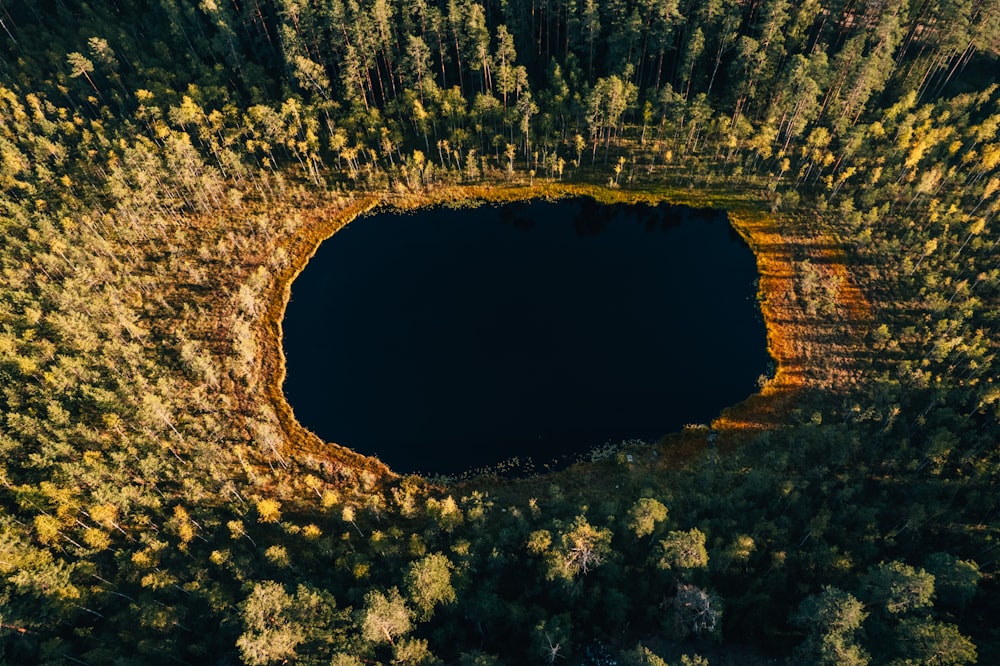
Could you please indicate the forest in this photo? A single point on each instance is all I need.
(167, 167)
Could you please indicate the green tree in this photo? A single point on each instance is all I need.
(929, 643)
(578, 550)
(955, 580)
(477, 40)
(428, 583)
(417, 64)
(831, 619)
(606, 105)
(692, 52)
(271, 634)
(683, 551)
(897, 588)
(311, 76)
(80, 65)
(385, 617)
(506, 55)
(102, 51)
(584, 547)
(413, 652)
(645, 515)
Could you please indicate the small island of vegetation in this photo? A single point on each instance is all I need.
(167, 168)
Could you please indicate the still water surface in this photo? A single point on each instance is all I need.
(447, 340)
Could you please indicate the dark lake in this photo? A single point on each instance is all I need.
(447, 340)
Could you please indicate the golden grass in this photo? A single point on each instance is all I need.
(316, 225)
(805, 357)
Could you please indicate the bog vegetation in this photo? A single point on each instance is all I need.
(167, 166)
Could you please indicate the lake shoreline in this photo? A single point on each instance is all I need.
(776, 253)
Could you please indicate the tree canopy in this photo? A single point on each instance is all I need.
(167, 167)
